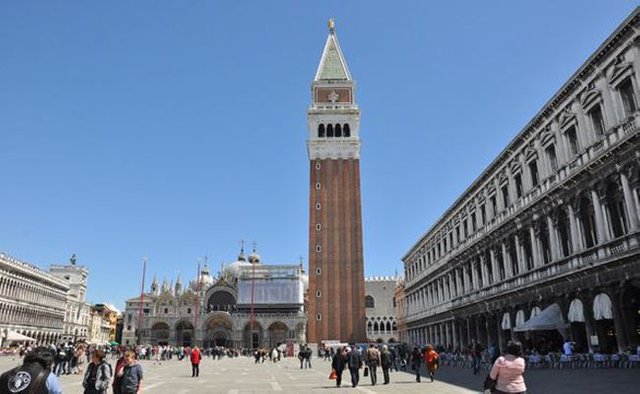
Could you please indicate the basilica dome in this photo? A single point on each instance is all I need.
(206, 280)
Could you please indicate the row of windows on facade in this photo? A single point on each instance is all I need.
(370, 302)
(517, 253)
(336, 130)
(380, 327)
(514, 189)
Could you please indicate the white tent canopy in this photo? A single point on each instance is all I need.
(602, 309)
(576, 311)
(16, 336)
(549, 319)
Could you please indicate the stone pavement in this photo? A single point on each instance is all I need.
(241, 376)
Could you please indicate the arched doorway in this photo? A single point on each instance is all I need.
(160, 333)
(252, 336)
(277, 333)
(218, 331)
(578, 332)
(184, 334)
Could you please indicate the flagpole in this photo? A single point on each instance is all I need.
(195, 327)
(144, 272)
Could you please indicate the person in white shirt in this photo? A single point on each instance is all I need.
(567, 347)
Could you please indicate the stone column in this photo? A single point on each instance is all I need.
(618, 320)
(522, 267)
(487, 327)
(599, 217)
(629, 203)
(576, 239)
(535, 247)
(494, 266)
(553, 239)
(454, 332)
(483, 271)
(506, 261)
(478, 333)
(474, 275)
(458, 275)
(500, 332)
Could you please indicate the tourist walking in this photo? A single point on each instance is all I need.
(338, 363)
(130, 375)
(475, 350)
(81, 359)
(508, 370)
(34, 374)
(386, 361)
(96, 378)
(416, 360)
(431, 361)
(195, 362)
(355, 363)
(373, 361)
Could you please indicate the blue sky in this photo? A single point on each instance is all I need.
(174, 129)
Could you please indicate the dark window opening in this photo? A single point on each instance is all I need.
(321, 131)
(505, 196)
(572, 141)
(329, 130)
(597, 120)
(483, 214)
(346, 131)
(587, 221)
(338, 130)
(369, 302)
(533, 170)
(551, 156)
(494, 205)
(628, 97)
(518, 181)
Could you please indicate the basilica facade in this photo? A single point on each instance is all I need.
(545, 245)
(248, 304)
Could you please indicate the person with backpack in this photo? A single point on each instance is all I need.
(33, 376)
(431, 361)
(96, 378)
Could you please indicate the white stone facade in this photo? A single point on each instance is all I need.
(32, 301)
(553, 222)
(77, 316)
(380, 308)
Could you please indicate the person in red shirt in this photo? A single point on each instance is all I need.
(195, 362)
(431, 361)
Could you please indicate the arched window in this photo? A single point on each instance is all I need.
(346, 131)
(338, 130)
(375, 327)
(329, 130)
(369, 302)
(321, 130)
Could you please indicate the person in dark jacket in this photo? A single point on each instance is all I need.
(338, 363)
(354, 361)
(416, 359)
(96, 377)
(385, 363)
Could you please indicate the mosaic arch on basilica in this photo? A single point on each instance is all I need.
(545, 245)
(216, 311)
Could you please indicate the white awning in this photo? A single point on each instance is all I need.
(602, 307)
(576, 311)
(506, 321)
(535, 311)
(16, 336)
(519, 317)
(549, 319)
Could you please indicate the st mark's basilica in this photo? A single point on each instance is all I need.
(248, 304)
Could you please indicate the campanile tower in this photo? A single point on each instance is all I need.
(336, 264)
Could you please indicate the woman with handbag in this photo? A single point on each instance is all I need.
(508, 371)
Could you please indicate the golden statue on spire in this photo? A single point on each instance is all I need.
(332, 25)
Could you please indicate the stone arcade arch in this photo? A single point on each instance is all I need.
(278, 332)
(160, 333)
(252, 335)
(218, 331)
(184, 333)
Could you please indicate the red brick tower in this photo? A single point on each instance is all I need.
(336, 264)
